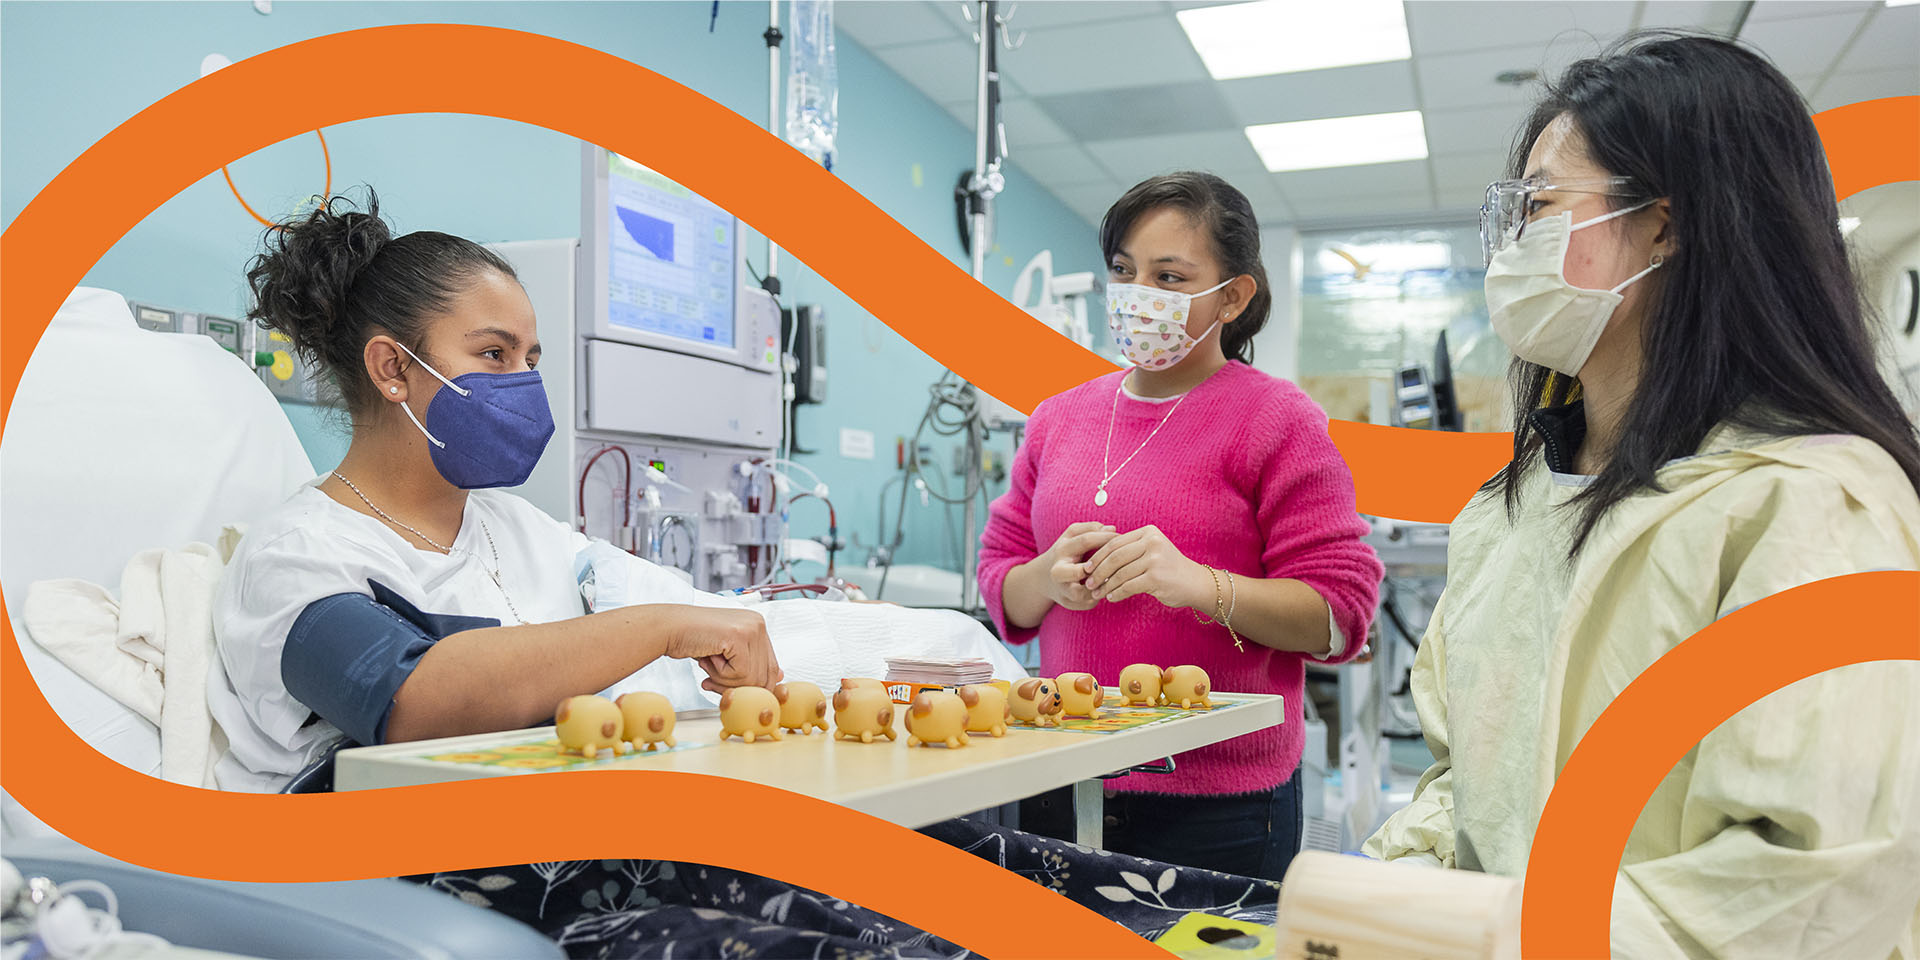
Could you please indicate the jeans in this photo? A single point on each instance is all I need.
(1249, 834)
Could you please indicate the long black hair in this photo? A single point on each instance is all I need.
(1228, 218)
(1755, 319)
(335, 277)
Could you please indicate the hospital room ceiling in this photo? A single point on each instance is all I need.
(1103, 94)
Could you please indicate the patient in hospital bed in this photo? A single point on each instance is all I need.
(403, 596)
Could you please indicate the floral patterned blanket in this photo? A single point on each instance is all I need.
(661, 909)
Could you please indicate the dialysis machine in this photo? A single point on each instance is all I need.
(663, 367)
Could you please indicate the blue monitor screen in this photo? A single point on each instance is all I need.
(669, 258)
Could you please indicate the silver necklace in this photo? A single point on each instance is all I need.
(1100, 495)
(493, 574)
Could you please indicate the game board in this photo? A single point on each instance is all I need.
(545, 754)
(1116, 719)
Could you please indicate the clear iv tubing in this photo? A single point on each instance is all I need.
(797, 466)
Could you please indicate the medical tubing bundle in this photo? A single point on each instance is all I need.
(776, 559)
(952, 410)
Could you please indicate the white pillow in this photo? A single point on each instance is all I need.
(121, 439)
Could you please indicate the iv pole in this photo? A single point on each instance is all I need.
(989, 149)
(773, 38)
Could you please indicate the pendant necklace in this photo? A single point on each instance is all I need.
(493, 574)
(1100, 495)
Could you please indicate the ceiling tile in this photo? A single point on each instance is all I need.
(1064, 164)
(1459, 196)
(1104, 56)
(1042, 14)
(1844, 88)
(1406, 176)
(1226, 153)
(1714, 16)
(1089, 200)
(1141, 111)
(1468, 174)
(1264, 195)
(1891, 41)
(1315, 94)
(1476, 131)
(1457, 26)
(1804, 45)
(1808, 84)
(1370, 205)
(945, 71)
(886, 23)
(1467, 79)
(1766, 11)
(1028, 124)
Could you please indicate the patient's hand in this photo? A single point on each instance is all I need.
(732, 646)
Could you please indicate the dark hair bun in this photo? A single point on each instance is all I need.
(301, 282)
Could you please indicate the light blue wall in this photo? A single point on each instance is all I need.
(70, 72)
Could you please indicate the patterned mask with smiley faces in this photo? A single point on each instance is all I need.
(1150, 324)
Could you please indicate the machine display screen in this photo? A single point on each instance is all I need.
(669, 258)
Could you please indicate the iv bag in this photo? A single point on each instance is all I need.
(813, 87)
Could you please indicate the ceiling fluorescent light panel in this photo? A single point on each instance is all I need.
(1340, 141)
(1288, 36)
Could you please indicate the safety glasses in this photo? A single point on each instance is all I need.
(1503, 218)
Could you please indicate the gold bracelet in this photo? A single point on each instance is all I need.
(1216, 597)
(1228, 622)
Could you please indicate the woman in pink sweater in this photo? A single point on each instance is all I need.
(1189, 510)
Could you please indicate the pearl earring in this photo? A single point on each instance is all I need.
(393, 389)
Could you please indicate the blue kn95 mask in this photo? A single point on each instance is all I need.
(487, 429)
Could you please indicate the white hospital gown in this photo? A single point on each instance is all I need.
(313, 547)
(1793, 829)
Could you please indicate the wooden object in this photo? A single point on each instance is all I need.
(1353, 908)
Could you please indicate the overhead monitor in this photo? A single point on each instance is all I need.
(663, 266)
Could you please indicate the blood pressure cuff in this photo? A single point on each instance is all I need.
(348, 654)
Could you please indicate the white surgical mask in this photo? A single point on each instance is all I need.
(1150, 324)
(1543, 318)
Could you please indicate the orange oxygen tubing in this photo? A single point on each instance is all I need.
(326, 191)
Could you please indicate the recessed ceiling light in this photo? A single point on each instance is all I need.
(1288, 36)
(1901, 3)
(1340, 141)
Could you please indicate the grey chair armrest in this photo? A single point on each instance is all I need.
(348, 920)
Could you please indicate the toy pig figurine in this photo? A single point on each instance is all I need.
(863, 714)
(1140, 683)
(1080, 695)
(1186, 686)
(802, 707)
(1035, 702)
(587, 724)
(749, 712)
(937, 716)
(987, 710)
(648, 718)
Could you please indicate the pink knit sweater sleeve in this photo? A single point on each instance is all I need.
(1007, 541)
(1307, 511)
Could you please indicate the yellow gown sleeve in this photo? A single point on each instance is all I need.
(1422, 831)
(1799, 828)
